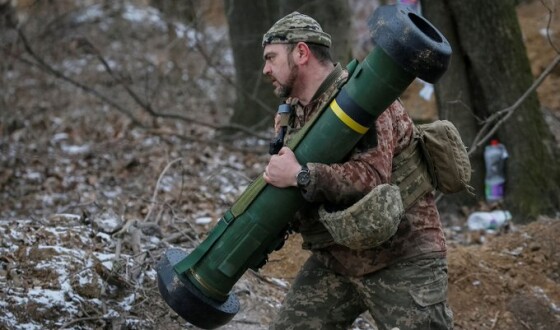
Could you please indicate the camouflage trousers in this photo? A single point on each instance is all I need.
(407, 295)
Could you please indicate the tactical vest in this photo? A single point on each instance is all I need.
(410, 171)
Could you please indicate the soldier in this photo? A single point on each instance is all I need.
(401, 279)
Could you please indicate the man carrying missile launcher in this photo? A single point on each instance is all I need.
(399, 272)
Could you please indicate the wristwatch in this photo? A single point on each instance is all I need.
(303, 177)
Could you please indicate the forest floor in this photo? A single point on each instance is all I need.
(90, 201)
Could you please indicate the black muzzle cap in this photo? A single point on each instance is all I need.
(187, 300)
(410, 40)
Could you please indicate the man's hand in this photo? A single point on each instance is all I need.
(282, 169)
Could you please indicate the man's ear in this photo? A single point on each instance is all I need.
(302, 53)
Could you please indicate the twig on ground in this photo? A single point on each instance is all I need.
(495, 320)
(181, 233)
(82, 319)
(267, 280)
(246, 322)
(154, 195)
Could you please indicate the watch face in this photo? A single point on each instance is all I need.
(303, 177)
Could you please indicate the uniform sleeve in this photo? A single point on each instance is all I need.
(345, 183)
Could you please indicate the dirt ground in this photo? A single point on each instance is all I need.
(71, 166)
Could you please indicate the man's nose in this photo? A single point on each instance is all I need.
(266, 69)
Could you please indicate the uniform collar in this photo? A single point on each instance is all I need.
(331, 78)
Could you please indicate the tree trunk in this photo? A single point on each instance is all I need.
(496, 68)
(248, 21)
(454, 101)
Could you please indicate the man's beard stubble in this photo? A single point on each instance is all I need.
(284, 90)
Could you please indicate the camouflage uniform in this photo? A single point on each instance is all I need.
(402, 282)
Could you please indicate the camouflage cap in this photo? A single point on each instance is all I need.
(369, 222)
(296, 27)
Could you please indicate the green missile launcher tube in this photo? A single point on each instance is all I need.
(197, 285)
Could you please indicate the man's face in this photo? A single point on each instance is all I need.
(279, 67)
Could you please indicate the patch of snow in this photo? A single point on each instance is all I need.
(112, 194)
(108, 221)
(112, 65)
(144, 15)
(152, 274)
(74, 66)
(76, 150)
(150, 141)
(106, 238)
(85, 278)
(203, 220)
(51, 298)
(128, 301)
(427, 91)
(59, 137)
(33, 176)
(90, 14)
(167, 183)
(79, 254)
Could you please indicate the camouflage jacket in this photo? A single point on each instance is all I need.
(338, 186)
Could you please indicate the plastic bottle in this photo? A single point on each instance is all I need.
(488, 220)
(495, 155)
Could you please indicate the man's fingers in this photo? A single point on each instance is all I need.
(284, 151)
